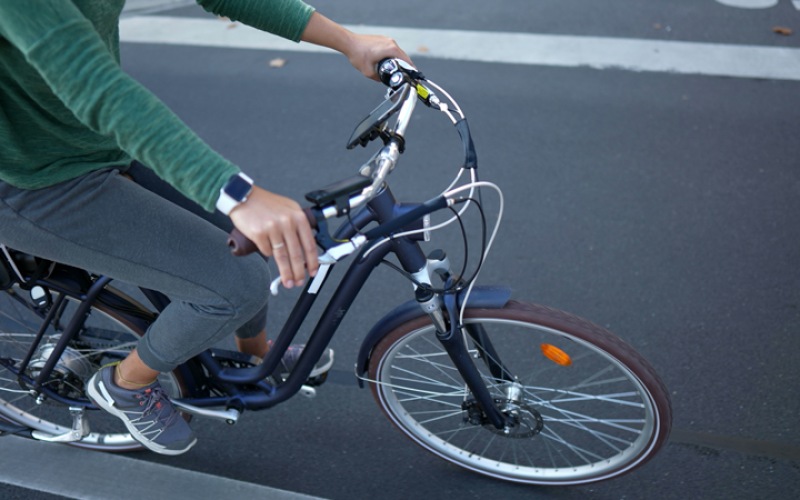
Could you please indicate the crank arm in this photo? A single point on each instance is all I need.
(230, 416)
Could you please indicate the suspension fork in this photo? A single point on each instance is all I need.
(412, 258)
(448, 332)
(385, 208)
(452, 341)
(487, 351)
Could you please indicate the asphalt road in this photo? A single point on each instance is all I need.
(665, 207)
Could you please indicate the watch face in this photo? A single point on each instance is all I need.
(238, 188)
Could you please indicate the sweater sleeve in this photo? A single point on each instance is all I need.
(62, 45)
(284, 18)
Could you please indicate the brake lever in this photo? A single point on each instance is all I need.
(329, 258)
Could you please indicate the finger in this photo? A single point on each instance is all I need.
(280, 256)
(293, 249)
(309, 247)
(297, 261)
(302, 247)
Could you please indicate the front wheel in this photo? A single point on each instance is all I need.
(582, 405)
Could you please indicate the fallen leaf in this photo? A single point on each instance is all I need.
(277, 63)
(423, 49)
(232, 25)
(782, 31)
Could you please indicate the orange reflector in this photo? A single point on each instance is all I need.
(556, 355)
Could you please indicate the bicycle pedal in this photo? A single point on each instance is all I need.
(308, 391)
(317, 381)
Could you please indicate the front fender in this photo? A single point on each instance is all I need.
(484, 297)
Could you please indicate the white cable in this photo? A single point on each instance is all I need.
(444, 109)
(450, 194)
(448, 96)
(432, 228)
(491, 238)
(455, 181)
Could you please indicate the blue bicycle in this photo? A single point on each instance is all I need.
(512, 390)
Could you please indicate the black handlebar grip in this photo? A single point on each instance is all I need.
(241, 245)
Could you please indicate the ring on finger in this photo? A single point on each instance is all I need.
(279, 245)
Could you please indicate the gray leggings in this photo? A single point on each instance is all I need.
(145, 233)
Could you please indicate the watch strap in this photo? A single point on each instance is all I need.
(234, 192)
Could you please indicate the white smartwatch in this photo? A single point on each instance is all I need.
(234, 192)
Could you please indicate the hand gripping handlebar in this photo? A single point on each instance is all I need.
(393, 73)
(241, 245)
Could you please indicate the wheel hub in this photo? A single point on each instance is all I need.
(69, 373)
(522, 420)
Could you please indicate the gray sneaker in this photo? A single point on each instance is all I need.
(147, 413)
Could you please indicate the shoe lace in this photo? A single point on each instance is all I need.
(154, 400)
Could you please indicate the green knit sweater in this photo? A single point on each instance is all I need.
(67, 108)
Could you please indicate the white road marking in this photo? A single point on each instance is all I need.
(74, 473)
(749, 4)
(738, 61)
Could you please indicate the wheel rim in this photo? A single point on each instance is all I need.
(598, 420)
(106, 339)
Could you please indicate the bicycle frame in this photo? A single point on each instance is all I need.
(247, 388)
(382, 209)
(64, 280)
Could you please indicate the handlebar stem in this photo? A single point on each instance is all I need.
(388, 156)
(386, 161)
(404, 116)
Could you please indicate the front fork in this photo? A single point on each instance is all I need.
(449, 333)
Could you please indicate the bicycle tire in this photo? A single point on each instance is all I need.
(590, 409)
(108, 335)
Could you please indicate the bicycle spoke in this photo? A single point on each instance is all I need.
(581, 421)
(612, 398)
(438, 367)
(448, 415)
(421, 379)
(417, 395)
(577, 450)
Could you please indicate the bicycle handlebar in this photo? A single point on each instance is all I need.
(394, 73)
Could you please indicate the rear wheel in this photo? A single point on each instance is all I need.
(107, 336)
(583, 405)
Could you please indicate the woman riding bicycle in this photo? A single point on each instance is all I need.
(74, 127)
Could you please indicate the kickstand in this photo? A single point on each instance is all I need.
(80, 429)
